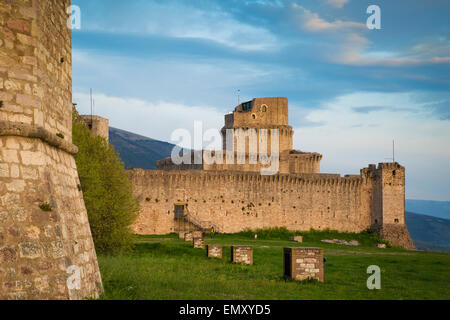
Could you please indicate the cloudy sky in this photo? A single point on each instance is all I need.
(156, 66)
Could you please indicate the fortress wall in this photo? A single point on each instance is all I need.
(36, 64)
(235, 201)
(37, 245)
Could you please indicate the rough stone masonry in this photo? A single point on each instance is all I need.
(188, 236)
(242, 254)
(198, 243)
(302, 263)
(46, 247)
(214, 251)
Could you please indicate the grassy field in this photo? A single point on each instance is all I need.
(164, 267)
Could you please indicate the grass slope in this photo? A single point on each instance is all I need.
(164, 267)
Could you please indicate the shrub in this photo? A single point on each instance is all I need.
(107, 192)
(365, 238)
(45, 207)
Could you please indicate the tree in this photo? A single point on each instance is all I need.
(107, 192)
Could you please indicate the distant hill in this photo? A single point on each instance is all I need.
(137, 151)
(429, 233)
(439, 209)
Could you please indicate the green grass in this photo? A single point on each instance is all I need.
(164, 267)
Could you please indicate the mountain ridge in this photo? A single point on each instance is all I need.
(138, 151)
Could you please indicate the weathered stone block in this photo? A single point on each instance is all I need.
(297, 238)
(188, 236)
(16, 186)
(302, 263)
(32, 158)
(28, 101)
(4, 170)
(199, 243)
(19, 25)
(197, 234)
(214, 251)
(30, 250)
(8, 255)
(242, 254)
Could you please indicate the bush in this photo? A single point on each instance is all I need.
(365, 238)
(107, 192)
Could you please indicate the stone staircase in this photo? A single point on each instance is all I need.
(190, 222)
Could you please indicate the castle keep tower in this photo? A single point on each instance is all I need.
(46, 247)
(251, 125)
(261, 113)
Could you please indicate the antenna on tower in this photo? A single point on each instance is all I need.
(92, 106)
(239, 96)
(393, 151)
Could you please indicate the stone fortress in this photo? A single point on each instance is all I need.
(232, 197)
(46, 247)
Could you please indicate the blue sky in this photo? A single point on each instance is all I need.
(156, 66)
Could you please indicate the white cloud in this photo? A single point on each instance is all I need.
(351, 140)
(337, 3)
(213, 82)
(155, 120)
(266, 3)
(185, 21)
(311, 21)
(354, 50)
(352, 47)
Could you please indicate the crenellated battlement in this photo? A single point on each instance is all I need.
(235, 200)
(244, 177)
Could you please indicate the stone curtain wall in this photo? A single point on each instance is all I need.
(44, 228)
(235, 201)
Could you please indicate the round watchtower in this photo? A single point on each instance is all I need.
(46, 247)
